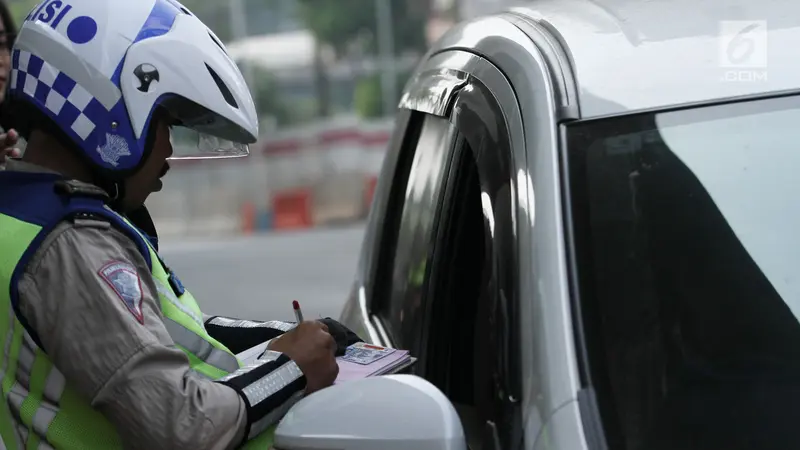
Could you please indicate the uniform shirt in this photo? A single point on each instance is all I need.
(131, 372)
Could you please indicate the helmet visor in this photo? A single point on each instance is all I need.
(199, 133)
(192, 144)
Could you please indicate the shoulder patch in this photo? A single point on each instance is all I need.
(124, 280)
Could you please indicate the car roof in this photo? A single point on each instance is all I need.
(632, 55)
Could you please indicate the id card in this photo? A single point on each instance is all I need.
(363, 353)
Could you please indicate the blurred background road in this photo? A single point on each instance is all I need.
(258, 277)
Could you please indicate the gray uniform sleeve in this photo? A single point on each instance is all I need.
(117, 353)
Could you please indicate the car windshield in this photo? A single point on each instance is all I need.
(687, 243)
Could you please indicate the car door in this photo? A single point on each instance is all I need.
(501, 348)
(442, 252)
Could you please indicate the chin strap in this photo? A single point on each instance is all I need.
(115, 190)
(118, 196)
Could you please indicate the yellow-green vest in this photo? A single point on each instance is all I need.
(50, 410)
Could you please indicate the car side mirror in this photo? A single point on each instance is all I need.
(391, 412)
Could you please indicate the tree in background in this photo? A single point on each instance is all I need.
(341, 23)
(347, 26)
(368, 97)
(20, 9)
(267, 97)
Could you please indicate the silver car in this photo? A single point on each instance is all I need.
(587, 226)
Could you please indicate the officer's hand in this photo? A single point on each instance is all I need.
(310, 346)
(7, 142)
(343, 336)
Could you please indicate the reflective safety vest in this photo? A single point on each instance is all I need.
(51, 413)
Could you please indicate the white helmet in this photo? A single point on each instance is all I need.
(99, 69)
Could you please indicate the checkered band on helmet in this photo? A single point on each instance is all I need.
(68, 102)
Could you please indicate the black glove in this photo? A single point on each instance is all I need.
(343, 336)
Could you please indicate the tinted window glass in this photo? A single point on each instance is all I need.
(458, 283)
(404, 273)
(688, 251)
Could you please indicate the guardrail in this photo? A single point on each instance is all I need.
(297, 178)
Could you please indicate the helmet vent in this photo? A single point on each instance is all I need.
(217, 42)
(226, 93)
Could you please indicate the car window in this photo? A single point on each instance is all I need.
(471, 334)
(688, 253)
(405, 253)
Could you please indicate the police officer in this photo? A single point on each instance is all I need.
(103, 346)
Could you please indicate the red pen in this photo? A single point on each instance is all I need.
(298, 314)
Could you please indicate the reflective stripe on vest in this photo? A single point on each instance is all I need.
(183, 320)
(169, 294)
(200, 348)
(42, 410)
(189, 340)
